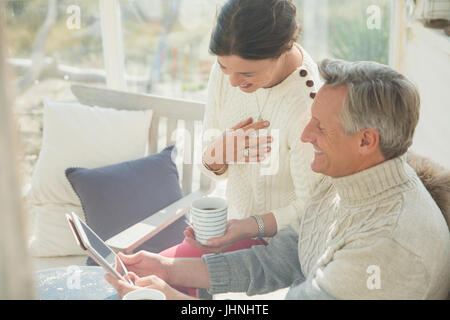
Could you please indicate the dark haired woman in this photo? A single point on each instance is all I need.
(263, 82)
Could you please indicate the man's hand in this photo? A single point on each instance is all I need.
(145, 263)
(122, 287)
(151, 282)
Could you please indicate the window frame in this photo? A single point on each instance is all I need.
(112, 40)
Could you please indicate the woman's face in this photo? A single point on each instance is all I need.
(251, 75)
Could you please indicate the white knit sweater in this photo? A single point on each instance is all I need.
(255, 189)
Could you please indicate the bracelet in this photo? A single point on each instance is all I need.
(209, 168)
(260, 223)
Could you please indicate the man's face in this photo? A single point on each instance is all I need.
(335, 153)
(249, 75)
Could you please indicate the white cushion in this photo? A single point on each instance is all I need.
(77, 136)
(51, 236)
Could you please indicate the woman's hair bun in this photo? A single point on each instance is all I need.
(255, 29)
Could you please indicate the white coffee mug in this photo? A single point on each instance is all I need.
(144, 294)
(209, 217)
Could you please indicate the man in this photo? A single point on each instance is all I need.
(370, 231)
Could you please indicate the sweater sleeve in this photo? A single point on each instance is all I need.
(211, 128)
(260, 269)
(304, 179)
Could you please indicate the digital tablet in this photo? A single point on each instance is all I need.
(96, 248)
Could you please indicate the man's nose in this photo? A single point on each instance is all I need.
(235, 80)
(307, 134)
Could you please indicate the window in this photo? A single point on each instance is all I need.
(346, 29)
(166, 41)
(166, 46)
(64, 34)
(51, 44)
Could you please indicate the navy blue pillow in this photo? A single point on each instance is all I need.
(118, 196)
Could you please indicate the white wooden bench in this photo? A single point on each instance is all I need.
(175, 111)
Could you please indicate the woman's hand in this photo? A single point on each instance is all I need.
(236, 230)
(145, 263)
(230, 146)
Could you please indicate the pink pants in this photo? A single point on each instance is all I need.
(185, 250)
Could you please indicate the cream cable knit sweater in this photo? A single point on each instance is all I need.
(381, 219)
(282, 183)
(376, 234)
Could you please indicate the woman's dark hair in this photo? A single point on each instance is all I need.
(255, 29)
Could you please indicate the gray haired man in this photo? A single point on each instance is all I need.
(370, 231)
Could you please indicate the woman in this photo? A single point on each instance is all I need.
(262, 82)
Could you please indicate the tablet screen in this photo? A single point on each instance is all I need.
(102, 249)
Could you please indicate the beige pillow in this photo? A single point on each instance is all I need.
(77, 136)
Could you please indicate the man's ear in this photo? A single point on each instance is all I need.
(369, 141)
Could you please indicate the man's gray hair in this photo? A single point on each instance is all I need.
(378, 98)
